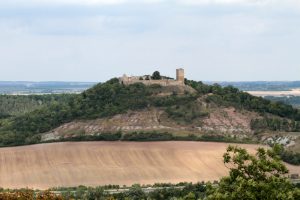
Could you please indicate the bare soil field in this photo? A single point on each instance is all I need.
(123, 163)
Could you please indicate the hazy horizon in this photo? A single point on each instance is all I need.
(83, 81)
(95, 40)
(93, 82)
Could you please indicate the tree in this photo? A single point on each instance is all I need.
(260, 176)
(94, 193)
(136, 193)
(156, 75)
(190, 196)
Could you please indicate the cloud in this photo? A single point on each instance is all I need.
(75, 2)
(240, 2)
(96, 40)
(67, 2)
(224, 2)
(19, 3)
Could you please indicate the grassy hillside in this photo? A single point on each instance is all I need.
(111, 98)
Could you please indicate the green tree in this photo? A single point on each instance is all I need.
(260, 176)
(136, 193)
(190, 196)
(95, 193)
(156, 75)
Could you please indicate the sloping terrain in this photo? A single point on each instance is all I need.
(109, 107)
(99, 163)
(221, 120)
(229, 120)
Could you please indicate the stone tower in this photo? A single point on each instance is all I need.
(180, 75)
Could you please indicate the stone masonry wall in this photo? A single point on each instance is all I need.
(151, 82)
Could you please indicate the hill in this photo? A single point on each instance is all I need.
(101, 163)
(193, 110)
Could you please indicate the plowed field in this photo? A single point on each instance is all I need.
(123, 163)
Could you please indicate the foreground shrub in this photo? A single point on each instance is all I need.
(260, 176)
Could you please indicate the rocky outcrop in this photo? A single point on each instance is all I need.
(229, 120)
(221, 121)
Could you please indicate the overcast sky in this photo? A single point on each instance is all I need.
(94, 40)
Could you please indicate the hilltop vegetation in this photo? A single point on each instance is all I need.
(23, 125)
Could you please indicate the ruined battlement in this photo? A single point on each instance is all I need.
(146, 80)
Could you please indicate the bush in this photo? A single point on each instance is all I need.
(97, 137)
(147, 136)
(275, 124)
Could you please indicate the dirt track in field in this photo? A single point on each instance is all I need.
(123, 163)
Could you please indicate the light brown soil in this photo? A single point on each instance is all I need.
(143, 120)
(221, 120)
(99, 163)
(229, 120)
(293, 92)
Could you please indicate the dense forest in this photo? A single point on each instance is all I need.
(24, 117)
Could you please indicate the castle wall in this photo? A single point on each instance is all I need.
(152, 82)
(164, 82)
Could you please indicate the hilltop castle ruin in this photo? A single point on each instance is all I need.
(146, 80)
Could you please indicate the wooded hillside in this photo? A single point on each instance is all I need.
(24, 118)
